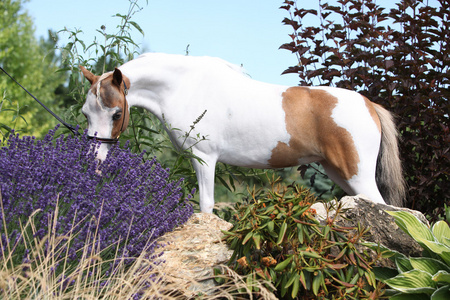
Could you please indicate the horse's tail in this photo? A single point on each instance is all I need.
(389, 175)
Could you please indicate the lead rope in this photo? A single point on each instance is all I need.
(70, 127)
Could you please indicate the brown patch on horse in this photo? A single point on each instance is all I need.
(314, 134)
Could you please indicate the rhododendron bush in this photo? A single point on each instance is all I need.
(131, 200)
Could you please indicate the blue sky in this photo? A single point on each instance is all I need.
(247, 32)
(242, 32)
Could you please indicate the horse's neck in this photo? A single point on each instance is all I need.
(152, 82)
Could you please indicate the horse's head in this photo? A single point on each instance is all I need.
(106, 107)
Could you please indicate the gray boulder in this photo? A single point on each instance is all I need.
(382, 227)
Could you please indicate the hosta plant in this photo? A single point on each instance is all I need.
(276, 237)
(426, 277)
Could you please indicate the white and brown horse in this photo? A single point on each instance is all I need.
(252, 124)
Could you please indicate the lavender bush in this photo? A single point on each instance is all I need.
(131, 199)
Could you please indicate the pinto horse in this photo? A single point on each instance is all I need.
(251, 124)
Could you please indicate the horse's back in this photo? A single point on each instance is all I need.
(277, 127)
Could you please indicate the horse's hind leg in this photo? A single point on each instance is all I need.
(363, 182)
(333, 174)
(350, 152)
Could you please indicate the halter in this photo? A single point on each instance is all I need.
(116, 139)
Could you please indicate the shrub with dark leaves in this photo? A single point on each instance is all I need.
(398, 58)
(131, 199)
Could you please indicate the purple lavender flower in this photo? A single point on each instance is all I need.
(132, 199)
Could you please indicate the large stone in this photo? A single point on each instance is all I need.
(191, 252)
(382, 226)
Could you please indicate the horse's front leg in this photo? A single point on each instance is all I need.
(205, 175)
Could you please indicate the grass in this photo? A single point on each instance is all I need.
(47, 272)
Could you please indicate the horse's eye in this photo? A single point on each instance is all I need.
(117, 116)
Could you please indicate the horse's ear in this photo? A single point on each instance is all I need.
(117, 77)
(88, 75)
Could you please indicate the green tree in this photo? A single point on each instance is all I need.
(30, 62)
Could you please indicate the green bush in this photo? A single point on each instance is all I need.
(277, 238)
(426, 277)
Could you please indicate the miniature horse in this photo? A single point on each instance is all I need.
(251, 124)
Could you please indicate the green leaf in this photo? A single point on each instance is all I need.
(300, 234)
(385, 252)
(247, 212)
(270, 226)
(442, 232)
(312, 254)
(295, 287)
(247, 237)
(440, 249)
(317, 282)
(282, 233)
(370, 276)
(136, 25)
(231, 180)
(415, 281)
(63, 70)
(410, 297)
(224, 183)
(282, 265)
(336, 266)
(283, 286)
(429, 265)
(273, 275)
(355, 278)
(249, 282)
(257, 239)
(5, 127)
(69, 46)
(382, 273)
(292, 279)
(442, 293)
(411, 225)
(442, 276)
(234, 243)
(403, 264)
(218, 276)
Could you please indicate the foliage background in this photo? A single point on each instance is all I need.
(34, 63)
(398, 58)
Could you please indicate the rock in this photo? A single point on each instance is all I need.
(192, 251)
(382, 225)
